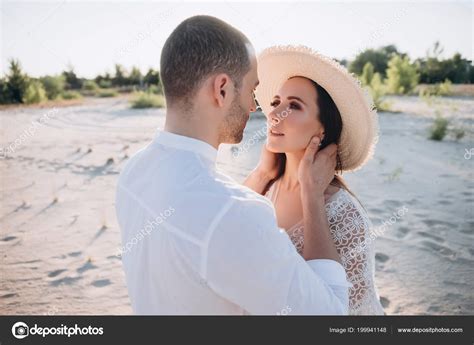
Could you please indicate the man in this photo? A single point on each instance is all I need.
(212, 246)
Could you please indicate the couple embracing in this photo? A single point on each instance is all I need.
(293, 235)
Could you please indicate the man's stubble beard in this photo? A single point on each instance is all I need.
(232, 128)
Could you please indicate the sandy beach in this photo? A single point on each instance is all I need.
(59, 236)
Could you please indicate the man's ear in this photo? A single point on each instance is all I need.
(222, 89)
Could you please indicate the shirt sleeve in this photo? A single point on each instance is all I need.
(252, 263)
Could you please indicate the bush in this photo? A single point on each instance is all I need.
(34, 93)
(71, 95)
(155, 89)
(439, 89)
(373, 82)
(439, 128)
(107, 93)
(402, 76)
(53, 85)
(90, 85)
(142, 99)
(105, 84)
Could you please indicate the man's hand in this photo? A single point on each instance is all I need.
(317, 168)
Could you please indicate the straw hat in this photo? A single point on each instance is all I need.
(359, 118)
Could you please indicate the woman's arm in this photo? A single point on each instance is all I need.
(265, 171)
(257, 180)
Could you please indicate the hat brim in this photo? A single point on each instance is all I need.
(359, 117)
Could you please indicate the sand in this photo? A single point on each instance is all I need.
(59, 236)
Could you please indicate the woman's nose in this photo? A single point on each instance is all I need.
(273, 119)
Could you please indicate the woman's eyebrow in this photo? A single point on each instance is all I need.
(297, 98)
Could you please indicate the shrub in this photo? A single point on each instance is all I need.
(439, 128)
(71, 95)
(53, 85)
(142, 99)
(34, 93)
(107, 93)
(402, 76)
(377, 89)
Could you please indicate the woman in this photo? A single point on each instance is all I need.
(305, 94)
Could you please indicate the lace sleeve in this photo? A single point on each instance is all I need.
(350, 226)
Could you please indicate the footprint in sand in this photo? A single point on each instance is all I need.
(9, 295)
(402, 231)
(87, 266)
(443, 250)
(435, 222)
(101, 282)
(412, 202)
(444, 202)
(55, 273)
(392, 203)
(65, 281)
(381, 257)
(74, 254)
(8, 238)
(431, 236)
(384, 301)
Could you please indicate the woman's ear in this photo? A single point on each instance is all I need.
(221, 89)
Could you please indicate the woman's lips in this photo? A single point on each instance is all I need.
(274, 133)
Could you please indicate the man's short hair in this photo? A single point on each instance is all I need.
(199, 47)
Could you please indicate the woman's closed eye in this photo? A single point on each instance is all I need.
(274, 103)
(293, 105)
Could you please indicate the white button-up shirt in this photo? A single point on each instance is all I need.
(195, 241)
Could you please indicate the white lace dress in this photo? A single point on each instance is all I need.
(350, 228)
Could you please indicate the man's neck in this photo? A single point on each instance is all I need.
(191, 127)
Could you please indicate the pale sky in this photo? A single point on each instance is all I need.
(94, 35)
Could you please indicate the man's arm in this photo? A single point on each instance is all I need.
(252, 263)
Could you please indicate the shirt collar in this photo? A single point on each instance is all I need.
(186, 143)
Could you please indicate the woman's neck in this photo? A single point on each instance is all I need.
(289, 179)
(290, 176)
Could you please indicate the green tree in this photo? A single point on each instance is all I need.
(135, 77)
(16, 82)
(72, 81)
(377, 57)
(119, 78)
(402, 76)
(53, 85)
